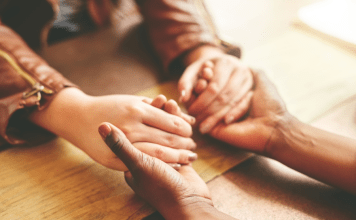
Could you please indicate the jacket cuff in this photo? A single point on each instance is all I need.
(27, 83)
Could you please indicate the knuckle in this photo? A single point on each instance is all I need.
(177, 125)
(159, 153)
(172, 141)
(135, 110)
(145, 162)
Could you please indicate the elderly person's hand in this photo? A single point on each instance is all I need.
(266, 112)
(229, 84)
(175, 194)
(271, 130)
(75, 116)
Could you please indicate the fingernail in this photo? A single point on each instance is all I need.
(182, 94)
(229, 119)
(204, 129)
(192, 157)
(104, 130)
(175, 166)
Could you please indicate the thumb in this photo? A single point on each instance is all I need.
(187, 81)
(120, 145)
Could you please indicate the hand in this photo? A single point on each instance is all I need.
(229, 86)
(175, 194)
(170, 107)
(75, 116)
(254, 133)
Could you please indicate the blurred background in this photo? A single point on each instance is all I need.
(76, 48)
(254, 22)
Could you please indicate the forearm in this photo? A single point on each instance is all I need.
(319, 154)
(176, 27)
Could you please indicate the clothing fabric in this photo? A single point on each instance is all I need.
(27, 82)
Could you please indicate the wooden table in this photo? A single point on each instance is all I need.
(57, 181)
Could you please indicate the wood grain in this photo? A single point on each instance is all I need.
(58, 181)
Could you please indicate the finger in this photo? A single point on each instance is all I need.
(157, 136)
(167, 122)
(187, 81)
(147, 100)
(159, 101)
(175, 166)
(192, 99)
(166, 154)
(190, 119)
(172, 107)
(229, 112)
(239, 84)
(120, 145)
(209, 64)
(240, 109)
(200, 86)
(207, 73)
(222, 72)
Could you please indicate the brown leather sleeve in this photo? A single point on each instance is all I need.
(23, 71)
(178, 26)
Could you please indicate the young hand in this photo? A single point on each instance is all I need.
(75, 116)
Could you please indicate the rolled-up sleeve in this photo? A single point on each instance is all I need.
(176, 26)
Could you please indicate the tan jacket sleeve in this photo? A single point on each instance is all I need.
(178, 26)
(27, 82)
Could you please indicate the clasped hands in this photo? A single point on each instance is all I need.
(181, 193)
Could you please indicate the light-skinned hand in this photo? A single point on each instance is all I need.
(75, 116)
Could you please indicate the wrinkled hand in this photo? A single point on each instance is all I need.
(254, 133)
(227, 93)
(175, 194)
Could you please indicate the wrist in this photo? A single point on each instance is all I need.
(285, 126)
(188, 208)
(204, 52)
(68, 104)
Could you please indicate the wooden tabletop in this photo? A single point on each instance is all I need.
(55, 180)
